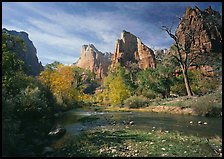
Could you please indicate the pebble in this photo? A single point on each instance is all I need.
(163, 149)
(113, 150)
(199, 122)
(101, 150)
(131, 123)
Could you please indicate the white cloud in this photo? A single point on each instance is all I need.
(55, 33)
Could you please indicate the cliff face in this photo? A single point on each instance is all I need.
(28, 55)
(94, 60)
(207, 29)
(130, 49)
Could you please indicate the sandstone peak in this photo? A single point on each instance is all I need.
(130, 49)
(206, 28)
(94, 60)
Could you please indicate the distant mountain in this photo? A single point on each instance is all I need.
(28, 55)
(94, 60)
(130, 49)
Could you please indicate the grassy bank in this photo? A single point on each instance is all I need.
(207, 105)
(126, 143)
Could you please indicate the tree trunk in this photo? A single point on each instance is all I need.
(186, 81)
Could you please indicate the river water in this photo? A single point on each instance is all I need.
(74, 122)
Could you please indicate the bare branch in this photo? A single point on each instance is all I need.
(177, 59)
(169, 32)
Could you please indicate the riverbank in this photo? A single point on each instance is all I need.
(157, 109)
(136, 143)
(208, 105)
(140, 134)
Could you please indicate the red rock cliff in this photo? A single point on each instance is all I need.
(207, 29)
(94, 60)
(130, 49)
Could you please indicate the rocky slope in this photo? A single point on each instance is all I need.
(94, 60)
(130, 49)
(207, 29)
(29, 54)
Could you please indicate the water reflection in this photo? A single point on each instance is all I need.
(144, 121)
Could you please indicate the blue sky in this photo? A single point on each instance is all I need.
(59, 29)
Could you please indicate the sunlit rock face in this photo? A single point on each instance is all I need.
(94, 60)
(207, 29)
(130, 49)
(28, 55)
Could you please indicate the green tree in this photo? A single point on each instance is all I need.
(11, 64)
(158, 80)
(27, 105)
(52, 66)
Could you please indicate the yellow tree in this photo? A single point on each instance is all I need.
(118, 90)
(60, 81)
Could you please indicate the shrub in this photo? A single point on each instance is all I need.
(178, 87)
(151, 94)
(208, 105)
(136, 102)
(201, 84)
(10, 128)
(34, 107)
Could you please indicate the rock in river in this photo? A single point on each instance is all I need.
(57, 132)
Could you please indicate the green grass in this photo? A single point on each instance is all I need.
(126, 143)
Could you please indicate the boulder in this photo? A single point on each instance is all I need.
(57, 132)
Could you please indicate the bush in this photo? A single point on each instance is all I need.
(201, 84)
(179, 86)
(208, 105)
(151, 94)
(136, 102)
(32, 103)
(10, 128)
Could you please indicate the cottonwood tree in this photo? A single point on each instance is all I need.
(183, 53)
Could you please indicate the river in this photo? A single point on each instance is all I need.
(76, 121)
